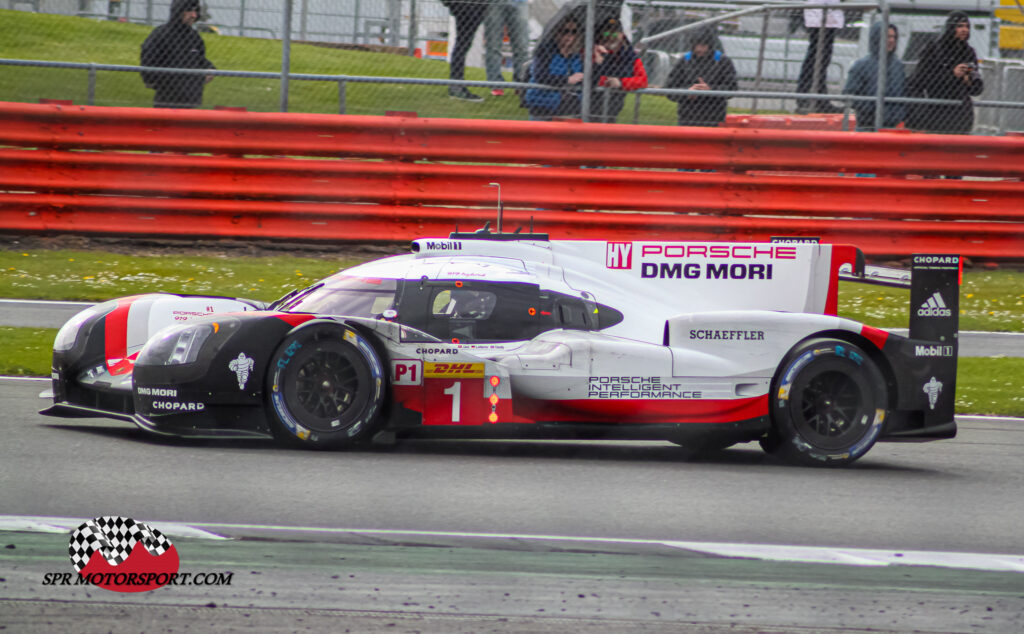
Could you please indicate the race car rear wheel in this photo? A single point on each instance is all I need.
(829, 404)
(325, 387)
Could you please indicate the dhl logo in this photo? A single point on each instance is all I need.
(462, 370)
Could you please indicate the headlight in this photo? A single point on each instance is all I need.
(68, 333)
(175, 345)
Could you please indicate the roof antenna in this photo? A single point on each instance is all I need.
(501, 207)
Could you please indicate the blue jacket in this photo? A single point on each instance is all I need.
(552, 68)
(863, 80)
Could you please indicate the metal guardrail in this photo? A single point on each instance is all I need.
(204, 172)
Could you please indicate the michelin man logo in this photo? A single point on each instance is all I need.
(242, 366)
(933, 388)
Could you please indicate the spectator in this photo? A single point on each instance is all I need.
(821, 32)
(176, 45)
(618, 67)
(948, 69)
(510, 15)
(702, 68)
(468, 15)
(863, 80)
(557, 62)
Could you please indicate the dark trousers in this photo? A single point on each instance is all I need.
(468, 17)
(806, 81)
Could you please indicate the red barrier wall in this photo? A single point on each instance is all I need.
(329, 177)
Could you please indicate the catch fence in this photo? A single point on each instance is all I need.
(394, 55)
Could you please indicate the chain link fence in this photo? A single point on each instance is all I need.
(630, 61)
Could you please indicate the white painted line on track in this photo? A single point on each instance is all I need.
(848, 556)
(767, 552)
(31, 524)
(1007, 419)
(858, 556)
(997, 333)
(46, 302)
(994, 419)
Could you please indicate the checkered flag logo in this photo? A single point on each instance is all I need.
(113, 538)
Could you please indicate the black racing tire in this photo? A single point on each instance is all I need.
(829, 404)
(325, 388)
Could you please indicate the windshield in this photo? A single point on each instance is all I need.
(345, 295)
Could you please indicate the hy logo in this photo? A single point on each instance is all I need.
(619, 255)
(933, 388)
(934, 306)
(115, 552)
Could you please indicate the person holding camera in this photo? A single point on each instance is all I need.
(176, 44)
(948, 69)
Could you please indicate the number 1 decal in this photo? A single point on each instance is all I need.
(455, 391)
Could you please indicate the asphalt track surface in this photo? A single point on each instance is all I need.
(959, 496)
(441, 536)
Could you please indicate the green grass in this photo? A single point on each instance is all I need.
(992, 386)
(26, 351)
(989, 300)
(98, 276)
(69, 39)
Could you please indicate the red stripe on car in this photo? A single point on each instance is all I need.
(876, 336)
(115, 338)
(628, 411)
(294, 319)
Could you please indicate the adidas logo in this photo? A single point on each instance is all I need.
(934, 306)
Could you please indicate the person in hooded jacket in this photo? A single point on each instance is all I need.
(948, 69)
(702, 68)
(557, 62)
(618, 66)
(176, 44)
(863, 80)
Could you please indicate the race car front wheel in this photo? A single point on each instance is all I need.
(829, 404)
(325, 387)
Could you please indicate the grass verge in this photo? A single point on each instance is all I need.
(98, 276)
(989, 300)
(71, 39)
(985, 385)
(26, 351)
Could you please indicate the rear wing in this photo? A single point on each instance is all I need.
(879, 275)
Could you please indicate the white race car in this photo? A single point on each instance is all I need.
(515, 335)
